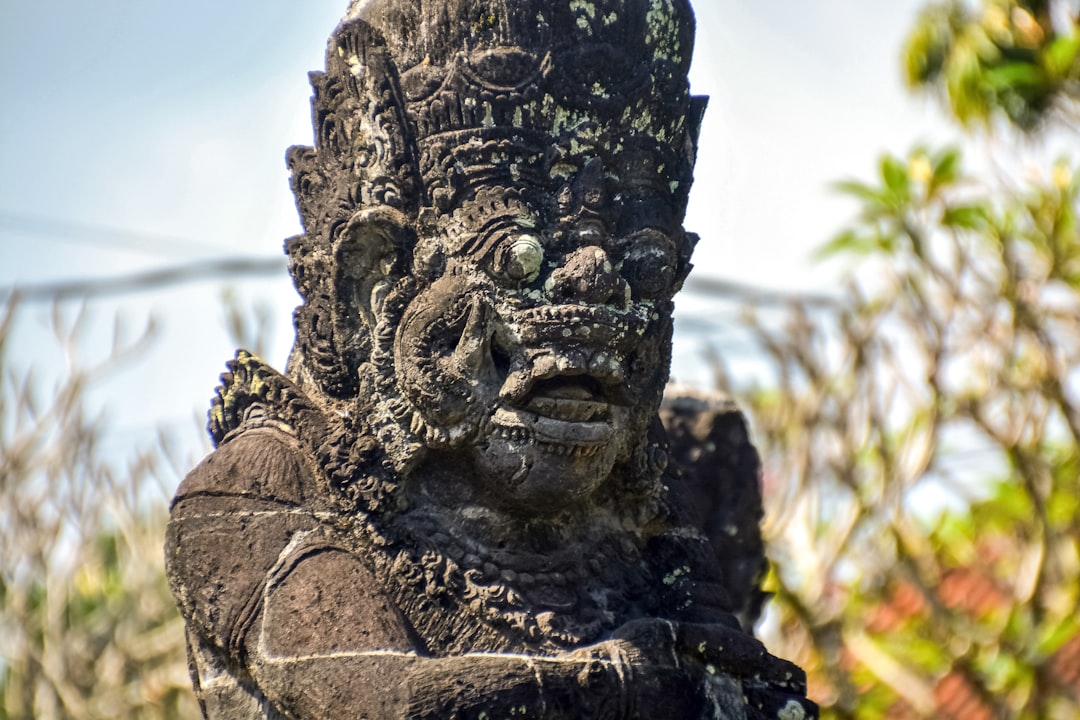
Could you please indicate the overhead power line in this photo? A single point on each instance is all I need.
(754, 295)
(223, 268)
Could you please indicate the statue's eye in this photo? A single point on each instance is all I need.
(519, 258)
(649, 263)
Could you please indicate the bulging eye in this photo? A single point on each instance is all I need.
(649, 263)
(519, 258)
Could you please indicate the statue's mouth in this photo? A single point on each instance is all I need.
(563, 381)
(570, 398)
(570, 412)
(563, 387)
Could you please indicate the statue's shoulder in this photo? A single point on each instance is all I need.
(260, 464)
(261, 454)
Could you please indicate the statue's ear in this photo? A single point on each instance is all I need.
(308, 184)
(370, 253)
(685, 249)
(336, 322)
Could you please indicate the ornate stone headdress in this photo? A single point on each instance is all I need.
(420, 111)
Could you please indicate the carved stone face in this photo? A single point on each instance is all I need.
(540, 345)
(492, 217)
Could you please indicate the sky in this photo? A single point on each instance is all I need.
(137, 134)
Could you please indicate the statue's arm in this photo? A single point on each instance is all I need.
(380, 685)
(327, 643)
(323, 660)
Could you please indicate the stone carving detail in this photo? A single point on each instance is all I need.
(457, 501)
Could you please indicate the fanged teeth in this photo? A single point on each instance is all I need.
(569, 450)
(516, 434)
(553, 448)
(545, 365)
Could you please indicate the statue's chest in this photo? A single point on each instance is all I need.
(458, 597)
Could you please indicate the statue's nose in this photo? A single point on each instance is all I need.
(588, 276)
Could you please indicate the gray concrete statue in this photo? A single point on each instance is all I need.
(457, 501)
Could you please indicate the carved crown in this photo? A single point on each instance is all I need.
(423, 100)
(425, 103)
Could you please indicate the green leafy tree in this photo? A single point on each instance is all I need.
(928, 431)
(922, 434)
(1020, 59)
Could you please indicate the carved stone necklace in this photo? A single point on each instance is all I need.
(531, 600)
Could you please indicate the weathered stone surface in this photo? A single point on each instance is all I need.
(709, 446)
(457, 501)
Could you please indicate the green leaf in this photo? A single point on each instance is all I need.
(1015, 75)
(1060, 55)
(894, 174)
(946, 166)
(848, 242)
(1063, 508)
(860, 191)
(966, 217)
(965, 85)
(1051, 639)
(928, 46)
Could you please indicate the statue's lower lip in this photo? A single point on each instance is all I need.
(544, 429)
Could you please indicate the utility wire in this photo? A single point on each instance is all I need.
(223, 268)
(758, 296)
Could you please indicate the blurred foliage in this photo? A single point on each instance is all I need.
(921, 435)
(922, 452)
(88, 628)
(1017, 58)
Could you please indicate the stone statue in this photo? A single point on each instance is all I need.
(457, 502)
